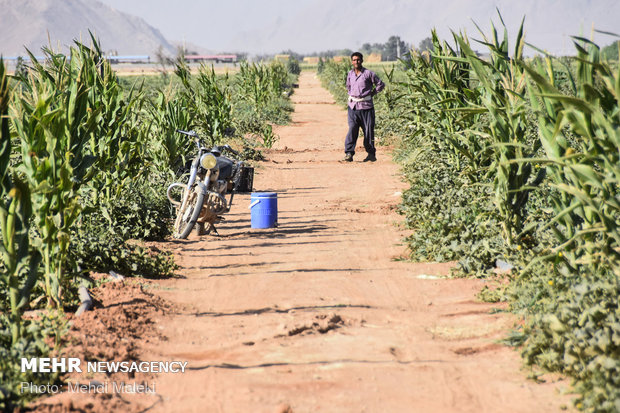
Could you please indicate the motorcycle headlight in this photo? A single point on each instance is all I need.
(208, 161)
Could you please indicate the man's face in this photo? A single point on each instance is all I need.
(356, 61)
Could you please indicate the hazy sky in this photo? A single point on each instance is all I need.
(271, 26)
(208, 23)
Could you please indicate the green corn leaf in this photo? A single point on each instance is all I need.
(584, 40)
(587, 175)
(577, 103)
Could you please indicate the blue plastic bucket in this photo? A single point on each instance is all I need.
(264, 206)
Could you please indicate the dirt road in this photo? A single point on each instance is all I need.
(316, 315)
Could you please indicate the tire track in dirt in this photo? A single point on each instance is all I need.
(251, 312)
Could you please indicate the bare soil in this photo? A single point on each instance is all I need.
(316, 315)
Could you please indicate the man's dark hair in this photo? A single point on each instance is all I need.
(358, 54)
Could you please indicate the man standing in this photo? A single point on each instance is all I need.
(362, 85)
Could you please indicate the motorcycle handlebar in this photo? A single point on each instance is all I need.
(193, 134)
(188, 133)
(221, 148)
(228, 148)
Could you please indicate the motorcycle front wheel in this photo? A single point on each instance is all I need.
(188, 213)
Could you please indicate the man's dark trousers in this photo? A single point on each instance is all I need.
(365, 119)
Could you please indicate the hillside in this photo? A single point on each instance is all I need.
(34, 23)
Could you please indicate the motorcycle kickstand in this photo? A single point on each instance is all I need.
(212, 229)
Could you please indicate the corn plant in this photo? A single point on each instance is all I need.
(269, 138)
(54, 123)
(439, 98)
(260, 83)
(167, 114)
(388, 109)
(334, 77)
(278, 77)
(259, 94)
(20, 266)
(118, 141)
(502, 85)
(254, 83)
(586, 173)
(391, 93)
(5, 143)
(207, 100)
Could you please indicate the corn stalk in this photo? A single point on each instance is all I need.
(5, 143)
(116, 141)
(258, 83)
(166, 115)
(334, 77)
(585, 170)
(502, 85)
(54, 122)
(20, 265)
(439, 100)
(206, 100)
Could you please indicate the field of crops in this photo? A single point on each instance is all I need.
(514, 164)
(513, 167)
(85, 160)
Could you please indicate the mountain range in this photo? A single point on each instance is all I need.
(34, 24)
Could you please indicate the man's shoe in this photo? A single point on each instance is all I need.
(370, 158)
(348, 157)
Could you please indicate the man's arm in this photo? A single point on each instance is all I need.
(379, 85)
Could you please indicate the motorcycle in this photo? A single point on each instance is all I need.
(203, 201)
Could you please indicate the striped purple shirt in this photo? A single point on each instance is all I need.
(360, 86)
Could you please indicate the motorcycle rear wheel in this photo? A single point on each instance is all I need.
(188, 214)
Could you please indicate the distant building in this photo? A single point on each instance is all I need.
(217, 58)
(282, 57)
(313, 60)
(114, 59)
(372, 58)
